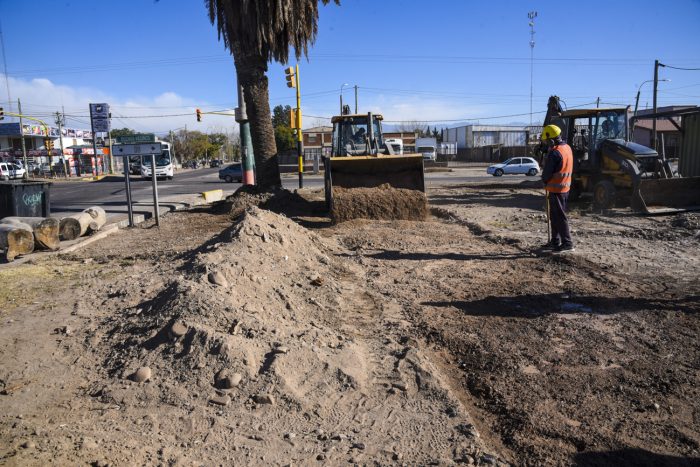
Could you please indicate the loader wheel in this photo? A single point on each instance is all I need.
(603, 194)
(498, 173)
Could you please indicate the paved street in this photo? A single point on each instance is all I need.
(69, 197)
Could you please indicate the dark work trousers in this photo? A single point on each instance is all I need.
(558, 219)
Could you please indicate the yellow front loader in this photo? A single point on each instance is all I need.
(361, 161)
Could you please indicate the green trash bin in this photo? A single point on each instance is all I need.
(25, 199)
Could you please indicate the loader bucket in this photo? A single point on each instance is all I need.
(387, 172)
(667, 195)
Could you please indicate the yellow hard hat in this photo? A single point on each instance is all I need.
(550, 132)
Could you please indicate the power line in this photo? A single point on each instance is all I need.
(461, 119)
(341, 56)
(679, 68)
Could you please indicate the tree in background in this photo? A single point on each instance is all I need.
(281, 115)
(258, 32)
(122, 132)
(281, 122)
(422, 131)
(285, 138)
(195, 145)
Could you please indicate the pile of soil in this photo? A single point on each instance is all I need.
(383, 202)
(269, 331)
(243, 198)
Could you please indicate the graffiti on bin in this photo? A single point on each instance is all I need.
(31, 200)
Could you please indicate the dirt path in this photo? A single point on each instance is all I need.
(445, 341)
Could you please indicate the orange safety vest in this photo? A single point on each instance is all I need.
(561, 181)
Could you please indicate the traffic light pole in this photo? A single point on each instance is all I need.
(247, 156)
(300, 136)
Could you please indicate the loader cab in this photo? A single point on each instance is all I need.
(357, 135)
(587, 129)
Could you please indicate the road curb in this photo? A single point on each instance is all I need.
(213, 195)
(102, 233)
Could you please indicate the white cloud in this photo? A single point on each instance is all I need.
(41, 97)
(408, 109)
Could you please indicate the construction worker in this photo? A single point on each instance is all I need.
(556, 176)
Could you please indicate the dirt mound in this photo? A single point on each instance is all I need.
(243, 198)
(291, 204)
(268, 329)
(383, 202)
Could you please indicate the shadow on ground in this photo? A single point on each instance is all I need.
(632, 457)
(534, 306)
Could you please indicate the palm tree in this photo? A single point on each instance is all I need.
(257, 32)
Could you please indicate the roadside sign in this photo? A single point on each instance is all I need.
(137, 138)
(100, 125)
(143, 149)
(99, 111)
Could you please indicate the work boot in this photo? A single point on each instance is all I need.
(550, 246)
(565, 248)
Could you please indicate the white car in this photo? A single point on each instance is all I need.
(515, 165)
(9, 171)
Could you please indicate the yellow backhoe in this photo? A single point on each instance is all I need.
(610, 167)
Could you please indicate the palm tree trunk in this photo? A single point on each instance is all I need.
(251, 73)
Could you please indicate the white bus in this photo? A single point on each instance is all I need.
(164, 164)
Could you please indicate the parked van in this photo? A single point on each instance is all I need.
(10, 171)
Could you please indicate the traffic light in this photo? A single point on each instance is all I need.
(291, 77)
(292, 118)
(199, 115)
(48, 144)
(2, 113)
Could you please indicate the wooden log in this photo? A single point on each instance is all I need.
(99, 217)
(45, 230)
(16, 240)
(68, 228)
(74, 226)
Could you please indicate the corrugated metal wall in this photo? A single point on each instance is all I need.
(477, 136)
(689, 163)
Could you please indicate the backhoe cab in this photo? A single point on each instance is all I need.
(609, 166)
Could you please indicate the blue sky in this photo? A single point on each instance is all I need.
(441, 61)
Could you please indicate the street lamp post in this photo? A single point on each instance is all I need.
(341, 97)
(636, 103)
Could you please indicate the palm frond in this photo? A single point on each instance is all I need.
(266, 28)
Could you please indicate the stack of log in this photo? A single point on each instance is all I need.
(22, 235)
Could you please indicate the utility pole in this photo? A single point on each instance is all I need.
(111, 156)
(356, 98)
(21, 136)
(656, 85)
(7, 79)
(172, 147)
(531, 16)
(59, 122)
(597, 103)
(96, 170)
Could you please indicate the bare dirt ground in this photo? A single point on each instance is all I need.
(271, 342)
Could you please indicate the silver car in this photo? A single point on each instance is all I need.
(515, 165)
